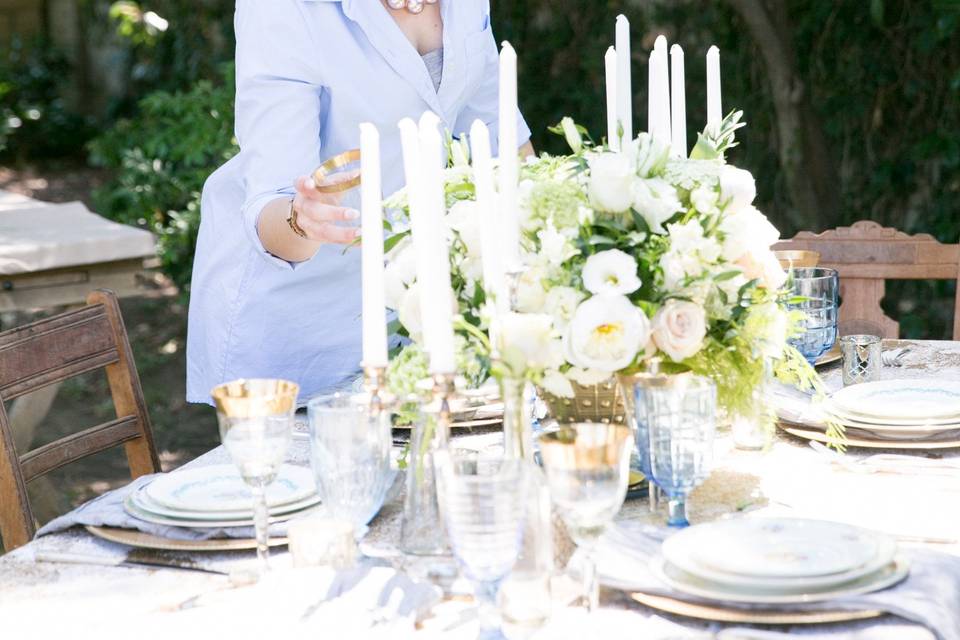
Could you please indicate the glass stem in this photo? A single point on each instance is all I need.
(591, 587)
(260, 516)
(653, 493)
(677, 511)
(486, 595)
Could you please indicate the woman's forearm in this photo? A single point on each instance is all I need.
(278, 238)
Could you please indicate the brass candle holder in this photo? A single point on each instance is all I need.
(444, 390)
(375, 384)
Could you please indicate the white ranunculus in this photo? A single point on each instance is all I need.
(656, 200)
(464, 218)
(605, 333)
(745, 231)
(399, 273)
(611, 271)
(571, 134)
(527, 342)
(409, 312)
(531, 293)
(679, 328)
(557, 384)
(737, 188)
(611, 181)
(560, 303)
(651, 154)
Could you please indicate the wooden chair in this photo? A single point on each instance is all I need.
(47, 352)
(866, 255)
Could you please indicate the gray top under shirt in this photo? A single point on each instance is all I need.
(434, 62)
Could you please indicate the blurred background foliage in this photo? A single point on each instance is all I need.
(853, 107)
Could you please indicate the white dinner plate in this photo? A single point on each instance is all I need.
(681, 556)
(692, 585)
(146, 516)
(220, 488)
(907, 423)
(775, 547)
(914, 399)
(142, 500)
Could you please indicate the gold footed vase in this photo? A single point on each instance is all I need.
(602, 402)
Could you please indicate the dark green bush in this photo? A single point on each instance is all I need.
(35, 123)
(162, 157)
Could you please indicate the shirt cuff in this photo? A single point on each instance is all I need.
(251, 220)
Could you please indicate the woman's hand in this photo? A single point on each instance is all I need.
(318, 213)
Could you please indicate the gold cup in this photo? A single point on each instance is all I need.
(255, 397)
(584, 445)
(333, 166)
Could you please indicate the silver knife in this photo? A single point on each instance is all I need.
(108, 561)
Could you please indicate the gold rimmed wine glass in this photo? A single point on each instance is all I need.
(256, 425)
(588, 469)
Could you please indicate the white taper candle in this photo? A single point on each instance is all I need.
(436, 300)
(494, 283)
(624, 78)
(509, 159)
(714, 108)
(662, 92)
(610, 66)
(371, 227)
(678, 103)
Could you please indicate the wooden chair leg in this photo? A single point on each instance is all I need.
(16, 517)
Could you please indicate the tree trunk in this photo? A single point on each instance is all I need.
(811, 181)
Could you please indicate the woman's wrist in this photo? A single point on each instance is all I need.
(279, 237)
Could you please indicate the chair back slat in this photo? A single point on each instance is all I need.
(867, 254)
(78, 445)
(55, 349)
(49, 351)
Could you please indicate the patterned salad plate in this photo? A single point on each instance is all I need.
(220, 488)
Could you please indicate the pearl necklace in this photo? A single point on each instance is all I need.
(413, 6)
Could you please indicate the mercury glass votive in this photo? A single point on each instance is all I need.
(862, 358)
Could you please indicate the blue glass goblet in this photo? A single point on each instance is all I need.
(816, 291)
(681, 417)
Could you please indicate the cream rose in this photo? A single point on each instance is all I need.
(679, 328)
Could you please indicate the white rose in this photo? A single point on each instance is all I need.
(737, 188)
(399, 273)
(656, 200)
(409, 312)
(611, 181)
(679, 328)
(612, 271)
(560, 303)
(556, 383)
(605, 333)
(527, 342)
(572, 134)
(464, 218)
(745, 231)
(531, 293)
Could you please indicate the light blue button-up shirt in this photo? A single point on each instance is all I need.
(308, 73)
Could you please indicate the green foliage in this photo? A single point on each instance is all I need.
(162, 158)
(34, 120)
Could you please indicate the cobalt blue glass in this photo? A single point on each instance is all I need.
(681, 419)
(816, 293)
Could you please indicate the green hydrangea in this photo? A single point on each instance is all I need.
(557, 201)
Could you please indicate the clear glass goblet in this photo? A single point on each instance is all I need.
(256, 426)
(483, 502)
(588, 469)
(350, 444)
(681, 414)
(816, 293)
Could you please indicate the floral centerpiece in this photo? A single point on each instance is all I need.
(630, 258)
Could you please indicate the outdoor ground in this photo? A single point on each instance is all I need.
(157, 326)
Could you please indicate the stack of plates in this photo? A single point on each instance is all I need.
(778, 561)
(216, 496)
(899, 409)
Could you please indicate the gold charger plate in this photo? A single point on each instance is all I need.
(717, 613)
(820, 436)
(134, 538)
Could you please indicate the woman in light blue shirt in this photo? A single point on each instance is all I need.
(271, 299)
